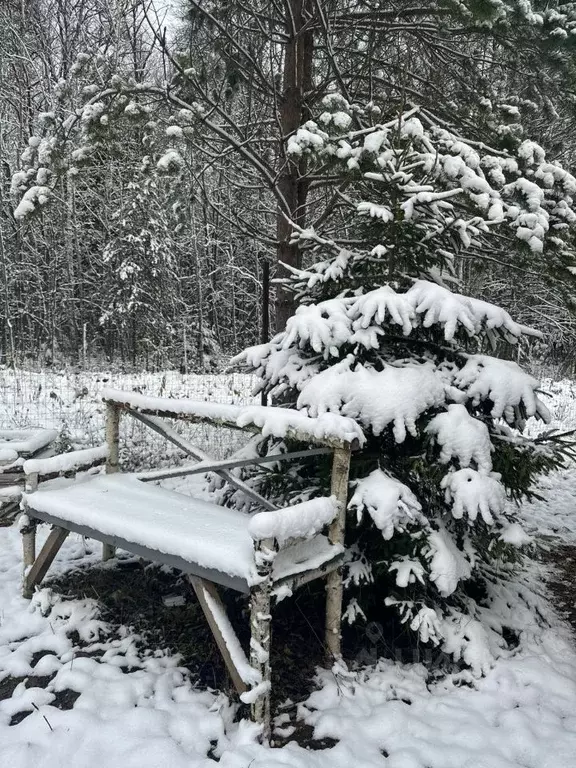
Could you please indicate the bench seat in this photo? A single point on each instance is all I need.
(196, 536)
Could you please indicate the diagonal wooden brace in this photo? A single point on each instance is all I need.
(166, 431)
(44, 560)
(224, 635)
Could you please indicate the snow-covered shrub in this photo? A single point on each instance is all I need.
(383, 334)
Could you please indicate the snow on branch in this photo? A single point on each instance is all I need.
(32, 199)
(374, 307)
(438, 305)
(448, 564)
(462, 437)
(328, 326)
(391, 504)
(474, 493)
(376, 399)
(282, 368)
(454, 191)
(505, 384)
(325, 326)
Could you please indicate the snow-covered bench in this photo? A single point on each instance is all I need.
(268, 553)
(17, 445)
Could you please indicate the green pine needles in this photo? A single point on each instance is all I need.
(384, 335)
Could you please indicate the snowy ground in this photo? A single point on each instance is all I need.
(138, 709)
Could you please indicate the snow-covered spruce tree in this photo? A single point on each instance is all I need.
(142, 290)
(380, 336)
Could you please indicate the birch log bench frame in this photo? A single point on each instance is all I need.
(286, 548)
(17, 445)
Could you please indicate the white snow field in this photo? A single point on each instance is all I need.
(139, 709)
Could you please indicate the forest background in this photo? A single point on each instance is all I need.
(146, 195)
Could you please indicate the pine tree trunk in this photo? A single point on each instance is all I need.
(293, 111)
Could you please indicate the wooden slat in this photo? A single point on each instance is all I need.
(295, 581)
(52, 545)
(12, 478)
(201, 587)
(71, 472)
(8, 511)
(171, 435)
(294, 434)
(216, 466)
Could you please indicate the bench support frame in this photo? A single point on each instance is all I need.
(201, 579)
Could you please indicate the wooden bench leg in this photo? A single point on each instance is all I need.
(112, 462)
(261, 635)
(224, 635)
(29, 546)
(334, 588)
(44, 560)
(260, 643)
(334, 594)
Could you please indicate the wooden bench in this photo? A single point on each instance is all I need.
(17, 445)
(264, 554)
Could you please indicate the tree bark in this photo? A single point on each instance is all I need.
(293, 111)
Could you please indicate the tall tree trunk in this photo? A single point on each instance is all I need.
(293, 110)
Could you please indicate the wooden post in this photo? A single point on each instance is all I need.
(29, 531)
(261, 633)
(339, 488)
(112, 440)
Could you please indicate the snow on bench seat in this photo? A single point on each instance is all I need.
(26, 442)
(195, 535)
(327, 429)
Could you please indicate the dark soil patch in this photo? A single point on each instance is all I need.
(304, 736)
(8, 685)
(160, 605)
(562, 583)
(19, 716)
(38, 681)
(62, 699)
(134, 594)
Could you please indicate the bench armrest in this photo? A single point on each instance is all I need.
(65, 463)
(299, 521)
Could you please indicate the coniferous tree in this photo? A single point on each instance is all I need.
(383, 335)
